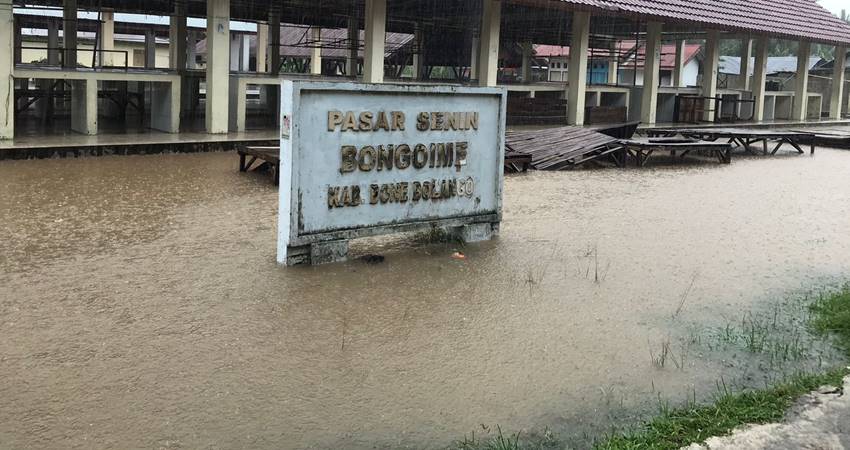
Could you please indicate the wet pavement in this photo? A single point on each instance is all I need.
(141, 307)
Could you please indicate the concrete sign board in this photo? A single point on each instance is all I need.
(362, 160)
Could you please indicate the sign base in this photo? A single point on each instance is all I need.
(329, 252)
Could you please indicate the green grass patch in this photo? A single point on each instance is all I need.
(674, 428)
(830, 315)
(684, 426)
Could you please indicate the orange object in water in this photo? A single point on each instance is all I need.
(458, 255)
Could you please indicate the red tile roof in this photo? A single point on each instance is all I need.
(795, 19)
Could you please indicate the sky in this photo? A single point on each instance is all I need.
(835, 6)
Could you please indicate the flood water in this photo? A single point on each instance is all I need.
(141, 306)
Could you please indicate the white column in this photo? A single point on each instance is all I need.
(274, 42)
(177, 37)
(527, 60)
(375, 41)
(488, 56)
(476, 55)
(746, 56)
(353, 45)
(614, 66)
(165, 106)
(801, 86)
(7, 83)
(652, 73)
(84, 106)
(760, 77)
(316, 51)
(218, 63)
(69, 32)
(679, 64)
(107, 38)
(835, 104)
(245, 52)
(710, 72)
(262, 46)
(579, 50)
(150, 49)
(192, 49)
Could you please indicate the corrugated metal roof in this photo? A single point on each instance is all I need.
(799, 19)
(775, 64)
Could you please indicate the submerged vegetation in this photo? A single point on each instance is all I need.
(778, 338)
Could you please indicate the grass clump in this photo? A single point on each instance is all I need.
(831, 316)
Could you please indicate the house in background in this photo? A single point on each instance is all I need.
(630, 64)
(631, 70)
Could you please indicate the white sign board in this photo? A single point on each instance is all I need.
(360, 160)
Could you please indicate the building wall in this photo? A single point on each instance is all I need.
(135, 52)
(691, 74)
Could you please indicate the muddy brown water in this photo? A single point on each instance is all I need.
(141, 307)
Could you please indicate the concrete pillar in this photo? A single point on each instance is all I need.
(579, 51)
(165, 106)
(835, 104)
(84, 106)
(107, 38)
(652, 73)
(375, 41)
(150, 49)
(417, 48)
(614, 66)
(7, 83)
(69, 32)
(192, 49)
(679, 64)
(801, 85)
(177, 37)
(527, 61)
(476, 55)
(262, 47)
(710, 73)
(240, 52)
(18, 42)
(316, 51)
(760, 77)
(52, 42)
(274, 42)
(746, 56)
(218, 74)
(353, 46)
(488, 56)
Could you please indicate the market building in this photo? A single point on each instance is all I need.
(214, 66)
